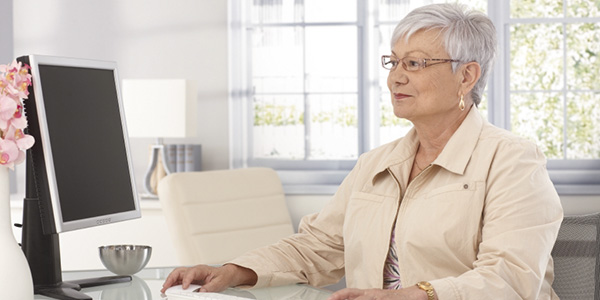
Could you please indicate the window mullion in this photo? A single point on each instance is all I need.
(248, 99)
(374, 93)
(307, 111)
(499, 85)
(363, 111)
(564, 91)
(236, 156)
(565, 19)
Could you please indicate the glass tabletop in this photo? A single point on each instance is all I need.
(146, 285)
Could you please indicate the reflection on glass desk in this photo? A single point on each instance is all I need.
(147, 283)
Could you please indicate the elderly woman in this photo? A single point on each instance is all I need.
(456, 209)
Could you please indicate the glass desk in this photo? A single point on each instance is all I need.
(147, 283)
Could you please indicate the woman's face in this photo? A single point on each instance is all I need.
(427, 94)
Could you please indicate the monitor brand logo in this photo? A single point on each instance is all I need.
(103, 221)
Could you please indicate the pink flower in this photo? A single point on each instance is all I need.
(9, 153)
(23, 85)
(19, 121)
(15, 67)
(8, 107)
(16, 89)
(14, 82)
(22, 140)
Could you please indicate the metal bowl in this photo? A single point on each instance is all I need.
(125, 259)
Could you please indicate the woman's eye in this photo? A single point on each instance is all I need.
(413, 63)
(391, 64)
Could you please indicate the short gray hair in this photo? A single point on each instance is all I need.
(468, 35)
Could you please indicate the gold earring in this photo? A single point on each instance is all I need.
(461, 103)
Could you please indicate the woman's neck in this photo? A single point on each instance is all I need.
(433, 136)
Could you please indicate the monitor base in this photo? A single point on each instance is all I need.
(70, 290)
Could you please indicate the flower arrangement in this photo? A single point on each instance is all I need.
(14, 81)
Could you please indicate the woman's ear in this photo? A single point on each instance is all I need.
(471, 72)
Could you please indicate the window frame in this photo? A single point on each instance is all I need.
(570, 177)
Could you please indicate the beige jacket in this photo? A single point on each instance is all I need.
(479, 223)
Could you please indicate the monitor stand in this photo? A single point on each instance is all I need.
(70, 290)
(43, 252)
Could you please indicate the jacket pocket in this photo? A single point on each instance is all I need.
(454, 190)
(361, 196)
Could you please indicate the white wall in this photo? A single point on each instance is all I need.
(147, 39)
(6, 32)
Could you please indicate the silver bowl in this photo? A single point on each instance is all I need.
(125, 259)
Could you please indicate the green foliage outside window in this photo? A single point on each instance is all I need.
(283, 115)
(277, 115)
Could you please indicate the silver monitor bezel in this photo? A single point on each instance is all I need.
(60, 225)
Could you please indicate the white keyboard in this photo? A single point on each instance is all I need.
(177, 293)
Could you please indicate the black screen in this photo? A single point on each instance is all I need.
(87, 141)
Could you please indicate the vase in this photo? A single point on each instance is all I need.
(15, 277)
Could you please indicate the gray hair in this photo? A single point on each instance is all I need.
(468, 36)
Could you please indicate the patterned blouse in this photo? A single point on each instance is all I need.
(391, 275)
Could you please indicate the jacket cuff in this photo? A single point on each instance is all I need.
(445, 289)
(264, 278)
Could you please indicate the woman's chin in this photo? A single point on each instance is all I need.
(402, 113)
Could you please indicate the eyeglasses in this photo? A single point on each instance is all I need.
(410, 63)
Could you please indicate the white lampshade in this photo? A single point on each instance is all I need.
(160, 108)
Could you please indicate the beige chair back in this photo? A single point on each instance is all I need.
(214, 216)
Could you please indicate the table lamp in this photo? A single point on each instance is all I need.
(159, 108)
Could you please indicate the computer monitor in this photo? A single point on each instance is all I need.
(79, 171)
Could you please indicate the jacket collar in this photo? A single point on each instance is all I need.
(460, 147)
(455, 155)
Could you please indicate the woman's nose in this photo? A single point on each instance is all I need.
(397, 76)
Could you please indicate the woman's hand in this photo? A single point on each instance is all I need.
(410, 293)
(212, 279)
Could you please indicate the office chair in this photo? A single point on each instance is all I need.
(576, 257)
(214, 216)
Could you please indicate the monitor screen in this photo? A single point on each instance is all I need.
(84, 141)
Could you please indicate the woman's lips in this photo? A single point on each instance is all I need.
(400, 96)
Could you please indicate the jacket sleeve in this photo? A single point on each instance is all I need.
(520, 223)
(315, 255)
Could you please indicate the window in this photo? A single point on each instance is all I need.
(309, 96)
(300, 92)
